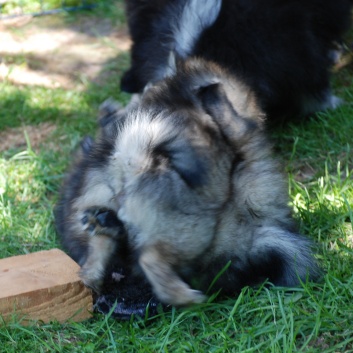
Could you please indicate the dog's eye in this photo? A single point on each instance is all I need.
(161, 151)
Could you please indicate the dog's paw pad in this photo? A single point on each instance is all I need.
(97, 221)
(108, 219)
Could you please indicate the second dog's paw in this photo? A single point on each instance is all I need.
(101, 221)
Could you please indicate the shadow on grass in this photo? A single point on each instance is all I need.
(27, 104)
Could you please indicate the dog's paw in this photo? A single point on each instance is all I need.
(101, 221)
(179, 294)
(166, 283)
(92, 277)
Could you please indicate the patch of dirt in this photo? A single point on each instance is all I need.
(55, 55)
(48, 52)
(16, 137)
(304, 172)
(320, 342)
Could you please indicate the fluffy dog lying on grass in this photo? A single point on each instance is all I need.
(181, 187)
(282, 49)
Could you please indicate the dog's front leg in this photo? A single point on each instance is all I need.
(101, 249)
(105, 230)
(157, 265)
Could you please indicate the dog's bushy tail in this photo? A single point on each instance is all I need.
(285, 258)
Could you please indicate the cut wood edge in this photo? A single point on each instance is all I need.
(38, 291)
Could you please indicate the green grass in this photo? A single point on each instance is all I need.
(313, 318)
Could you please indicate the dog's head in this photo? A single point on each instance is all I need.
(176, 154)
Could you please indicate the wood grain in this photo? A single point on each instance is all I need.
(43, 286)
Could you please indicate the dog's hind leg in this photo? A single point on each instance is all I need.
(326, 100)
(157, 265)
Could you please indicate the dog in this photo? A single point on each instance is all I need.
(183, 188)
(282, 49)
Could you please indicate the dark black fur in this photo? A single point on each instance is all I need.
(282, 49)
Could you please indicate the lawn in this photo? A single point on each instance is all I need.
(317, 155)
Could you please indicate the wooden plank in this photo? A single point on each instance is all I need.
(43, 286)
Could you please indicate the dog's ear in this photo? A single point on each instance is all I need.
(209, 94)
(216, 103)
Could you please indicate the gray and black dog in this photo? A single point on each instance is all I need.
(181, 187)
